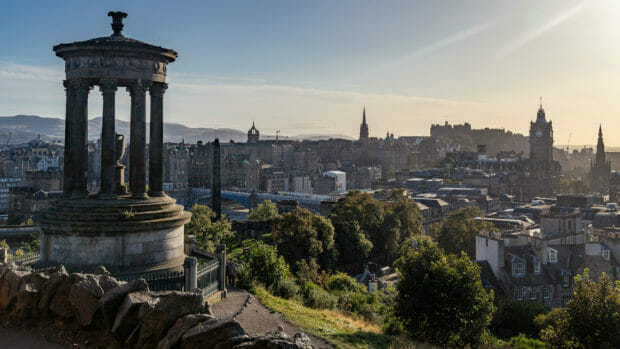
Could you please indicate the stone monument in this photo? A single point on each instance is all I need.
(124, 229)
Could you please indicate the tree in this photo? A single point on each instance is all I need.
(373, 229)
(303, 235)
(514, 317)
(265, 211)
(208, 231)
(458, 231)
(591, 318)
(441, 299)
(264, 265)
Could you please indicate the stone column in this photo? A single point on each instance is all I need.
(67, 183)
(216, 186)
(190, 268)
(108, 159)
(78, 136)
(220, 251)
(156, 155)
(137, 147)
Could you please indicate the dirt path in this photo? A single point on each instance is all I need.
(16, 339)
(255, 318)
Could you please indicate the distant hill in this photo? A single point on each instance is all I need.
(23, 128)
(319, 137)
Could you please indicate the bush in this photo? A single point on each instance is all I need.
(316, 297)
(522, 342)
(513, 318)
(285, 289)
(264, 266)
(320, 299)
(244, 278)
(357, 303)
(343, 282)
(392, 325)
(307, 271)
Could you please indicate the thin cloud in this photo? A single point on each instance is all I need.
(316, 92)
(443, 43)
(547, 26)
(11, 70)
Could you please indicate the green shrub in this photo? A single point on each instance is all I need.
(307, 271)
(357, 303)
(265, 266)
(343, 282)
(513, 317)
(318, 298)
(244, 278)
(285, 289)
(522, 342)
(392, 325)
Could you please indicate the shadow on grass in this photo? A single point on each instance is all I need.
(360, 338)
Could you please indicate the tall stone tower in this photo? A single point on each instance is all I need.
(253, 134)
(364, 127)
(216, 187)
(541, 141)
(600, 170)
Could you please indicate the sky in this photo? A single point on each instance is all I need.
(308, 67)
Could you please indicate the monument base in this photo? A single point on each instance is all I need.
(125, 235)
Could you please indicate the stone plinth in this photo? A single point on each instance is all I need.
(124, 235)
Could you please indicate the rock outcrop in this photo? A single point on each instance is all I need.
(135, 316)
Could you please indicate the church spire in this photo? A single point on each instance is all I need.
(364, 116)
(364, 126)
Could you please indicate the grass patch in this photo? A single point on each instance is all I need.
(340, 330)
(235, 249)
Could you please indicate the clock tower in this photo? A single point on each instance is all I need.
(541, 140)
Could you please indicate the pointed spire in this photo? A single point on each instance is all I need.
(600, 131)
(540, 102)
(364, 116)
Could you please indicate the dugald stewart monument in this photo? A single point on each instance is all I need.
(124, 227)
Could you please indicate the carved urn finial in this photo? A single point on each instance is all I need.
(117, 21)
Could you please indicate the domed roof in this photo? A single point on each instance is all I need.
(253, 130)
(115, 42)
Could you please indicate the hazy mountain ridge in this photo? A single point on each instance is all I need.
(23, 128)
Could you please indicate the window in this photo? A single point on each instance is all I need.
(565, 300)
(518, 268)
(533, 294)
(553, 256)
(537, 267)
(545, 292)
(519, 293)
(605, 254)
(566, 281)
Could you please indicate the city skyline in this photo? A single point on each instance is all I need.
(306, 68)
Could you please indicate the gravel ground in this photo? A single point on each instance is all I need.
(16, 339)
(255, 318)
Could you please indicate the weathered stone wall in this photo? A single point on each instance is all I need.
(136, 249)
(133, 316)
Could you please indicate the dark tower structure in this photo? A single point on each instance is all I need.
(253, 134)
(600, 170)
(541, 142)
(364, 127)
(216, 186)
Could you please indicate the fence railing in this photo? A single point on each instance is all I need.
(24, 259)
(158, 281)
(208, 276)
